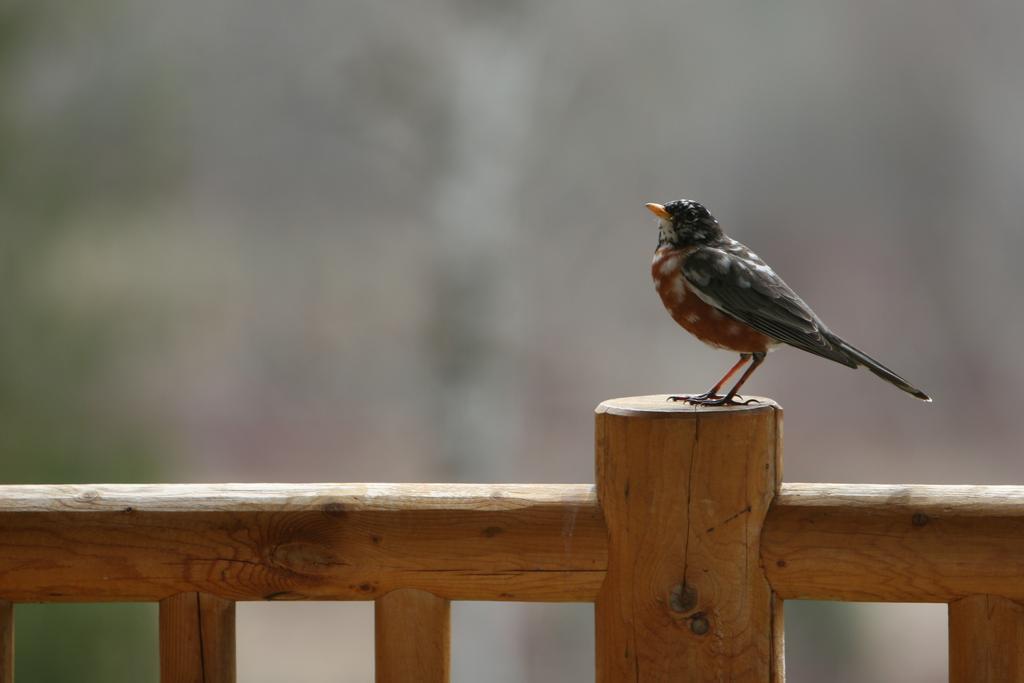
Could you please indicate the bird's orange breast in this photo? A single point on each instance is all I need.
(696, 316)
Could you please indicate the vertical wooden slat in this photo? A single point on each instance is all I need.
(778, 641)
(197, 639)
(986, 640)
(684, 494)
(413, 634)
(6, 642)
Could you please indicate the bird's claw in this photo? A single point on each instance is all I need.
(687, 398)
(712, 400)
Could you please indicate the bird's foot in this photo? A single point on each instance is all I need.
(708, 399)
(695, 398)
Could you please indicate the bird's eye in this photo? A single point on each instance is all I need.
(691, 214)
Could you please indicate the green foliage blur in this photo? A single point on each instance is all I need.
(84, 151)
(112, 643)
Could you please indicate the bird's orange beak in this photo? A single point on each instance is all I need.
(658, 210)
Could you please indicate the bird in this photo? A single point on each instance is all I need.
(723, 293)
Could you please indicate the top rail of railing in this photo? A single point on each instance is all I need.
(533, 542)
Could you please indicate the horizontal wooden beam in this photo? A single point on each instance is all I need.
(853, 542)
(295, 542)
(863, 542)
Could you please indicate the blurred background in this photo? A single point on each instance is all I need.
(244, 240)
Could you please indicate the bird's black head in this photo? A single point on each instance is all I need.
(685, 223)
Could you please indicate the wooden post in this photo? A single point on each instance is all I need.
(685, 492)
(413, 633)
(197, 639)
(986, 640)
(6, 642)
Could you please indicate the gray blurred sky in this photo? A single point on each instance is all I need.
(406, 241)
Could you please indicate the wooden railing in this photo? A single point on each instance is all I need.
(688, 545)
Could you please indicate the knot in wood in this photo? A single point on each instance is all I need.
(335, 509)
(682, 598)
(89, 496)
(699, 624)
(305, 558)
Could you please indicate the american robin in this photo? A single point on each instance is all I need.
(726, 296)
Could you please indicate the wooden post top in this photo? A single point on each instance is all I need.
(659, 404)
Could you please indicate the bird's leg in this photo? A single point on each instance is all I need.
(712, 393)
(729, 398)
(758, 359)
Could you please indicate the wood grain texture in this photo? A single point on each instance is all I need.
(413, 636)
(986, 640)
(197, 639)
(867, 542)
(295, 542)
(684, 492)
(6, 642)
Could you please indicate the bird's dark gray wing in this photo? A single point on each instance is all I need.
(738, 283)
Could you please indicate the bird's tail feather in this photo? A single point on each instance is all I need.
(877, 368)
